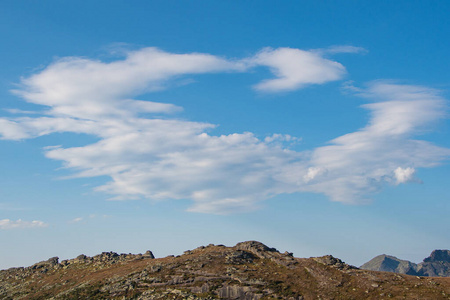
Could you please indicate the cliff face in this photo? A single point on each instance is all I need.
(436, 265)
(249, 270)
(438, 256)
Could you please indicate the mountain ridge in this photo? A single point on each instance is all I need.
(249, 271)
(435, 265)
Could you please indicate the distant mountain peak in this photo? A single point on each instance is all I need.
(438, 255)
(437, 264)
(389, 263)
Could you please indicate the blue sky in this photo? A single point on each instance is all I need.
(314, 127)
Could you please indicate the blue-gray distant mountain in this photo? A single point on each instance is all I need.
(389, 263)
(436, 265)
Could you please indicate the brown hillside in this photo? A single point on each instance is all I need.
(249, 270)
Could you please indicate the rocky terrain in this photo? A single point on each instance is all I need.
(437, 264)
(248, 271)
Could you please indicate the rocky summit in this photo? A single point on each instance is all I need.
(248, 271)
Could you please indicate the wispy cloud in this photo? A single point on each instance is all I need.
(342, 49)
(20, 224)
(295, 68)
(384, 151)
(166, 158)
(76, 220)
(88, 218)
(80, 94)
(19, 111)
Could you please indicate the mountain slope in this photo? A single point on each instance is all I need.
(249, 270)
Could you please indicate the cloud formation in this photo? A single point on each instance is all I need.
(10, 224)
(359, 163)
(295, 68)
(158, 158)
(404, 175)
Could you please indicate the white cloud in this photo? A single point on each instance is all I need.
(10, 224)
(80, 94)
(403, 175)
(359, 163)
(280, 138)
(295, 68)
(150, 157)
(313, 172)
(84, 88)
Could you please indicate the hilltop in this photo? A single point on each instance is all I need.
(249, 271)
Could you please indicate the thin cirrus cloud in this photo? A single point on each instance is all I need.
(166, 158)
(20, 224)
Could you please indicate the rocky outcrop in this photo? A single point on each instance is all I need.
(262, 251)
(50, 263)
(148, 254)
(329, 260)
(255, 247)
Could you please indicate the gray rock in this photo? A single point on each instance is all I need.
(238, 292)
(239, 257)
(149, 254)
(81, 257)
(51, 262)
(330, 260)
(254, 246)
